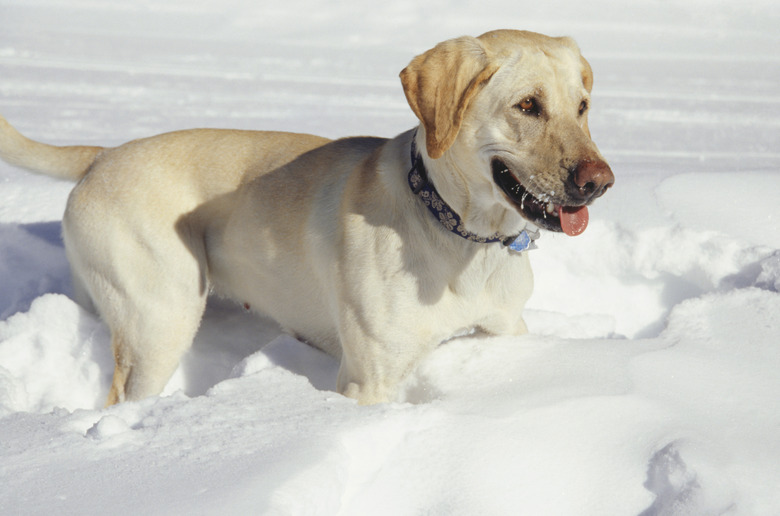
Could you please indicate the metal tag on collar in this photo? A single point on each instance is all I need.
(525, 241)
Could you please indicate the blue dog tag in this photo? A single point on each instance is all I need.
(523, 242)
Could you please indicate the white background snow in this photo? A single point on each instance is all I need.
(650, 381)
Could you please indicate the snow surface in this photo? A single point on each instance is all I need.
(649, 382)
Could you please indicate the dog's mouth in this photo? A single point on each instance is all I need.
(571, 220)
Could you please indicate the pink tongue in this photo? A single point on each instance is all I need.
(574, 220)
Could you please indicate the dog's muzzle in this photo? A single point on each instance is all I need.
(587, 181)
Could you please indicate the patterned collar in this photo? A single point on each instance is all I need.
(424, 189)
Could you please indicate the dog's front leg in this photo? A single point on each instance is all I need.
(367, 385)
(372, 368)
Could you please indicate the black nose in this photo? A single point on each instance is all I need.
(588, 180)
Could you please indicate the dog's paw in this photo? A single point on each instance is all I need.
(107, 427)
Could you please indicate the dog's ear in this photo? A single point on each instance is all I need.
(587, 74)
(587, 81)
(439, 85)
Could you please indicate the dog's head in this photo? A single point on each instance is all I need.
(505, 116)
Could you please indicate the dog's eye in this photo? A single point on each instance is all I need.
(528, 105)
(583, 107)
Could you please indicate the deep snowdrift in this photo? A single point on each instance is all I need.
(648, 384)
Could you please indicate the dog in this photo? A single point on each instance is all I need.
(374, 250)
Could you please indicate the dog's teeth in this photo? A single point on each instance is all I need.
(550, 208)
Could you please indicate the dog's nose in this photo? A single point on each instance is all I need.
(589, 179)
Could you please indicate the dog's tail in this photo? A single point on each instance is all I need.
(70, 162)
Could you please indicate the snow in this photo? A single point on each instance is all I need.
(647, 386)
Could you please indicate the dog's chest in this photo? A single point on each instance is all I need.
(489, 294)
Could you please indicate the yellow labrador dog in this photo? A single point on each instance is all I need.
(371, 249)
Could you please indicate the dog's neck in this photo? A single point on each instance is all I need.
(426, 191)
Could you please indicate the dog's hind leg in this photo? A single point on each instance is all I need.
(149, 289)
(149, 335)
(80, 291)
(153, 306)
(147, 352)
